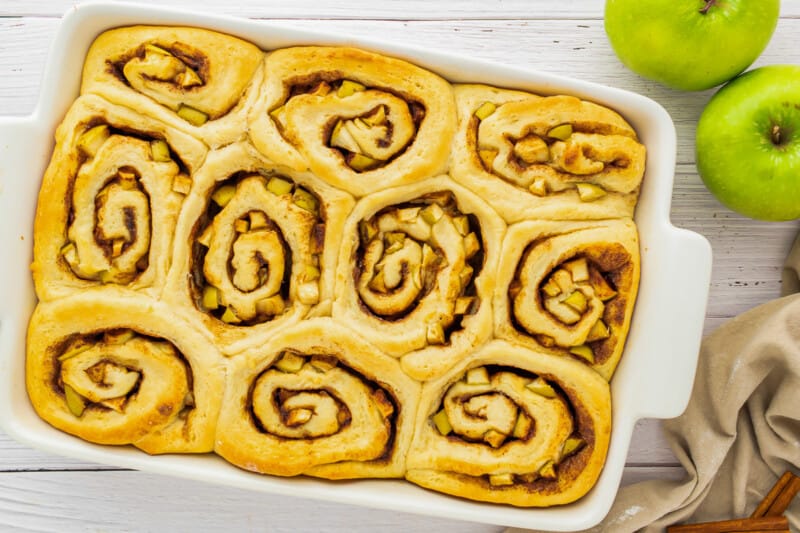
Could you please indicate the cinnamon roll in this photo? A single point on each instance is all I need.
(114, 367)
(109, 200)
(256, 247)
(569, 288)
(359, 120)
(417, 273)
(196, 80)
(317, 400)
(553, 157)
(511, 426)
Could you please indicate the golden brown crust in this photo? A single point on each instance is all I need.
(543, 302)
(508, 425)
(511, 158)
(157, 70)
(344, 297)
(117, 195)
(138, 376)
(321, 106)
(344, 410)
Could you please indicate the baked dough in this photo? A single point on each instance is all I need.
(508, 425)
(569, 288)
(256, 247)
(107, 204)
(114, 367)
(423, 259)
(196, 80)
(513, 158)
(317, 400)
(359, 120)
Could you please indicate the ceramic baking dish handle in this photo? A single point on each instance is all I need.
(685, 284)
(24, 149)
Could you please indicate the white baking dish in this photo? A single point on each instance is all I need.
(654, 378)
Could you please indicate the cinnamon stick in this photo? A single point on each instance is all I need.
(779, 497)
(764, 523)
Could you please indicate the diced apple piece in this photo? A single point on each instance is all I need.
(362, 163)
(578, 268)
(551, 288)
(348, 88)
(408, 214)
(584, 352)
(539, 187)
(75, 402)
(323, 364)
(258, 220)
(230, 317)
(119, 337)
(571, 445)
(91, 140)
(541, 387)
(463, 305)
(279, 186)
(290, 363)
(465, 276)
(601, 287)
(598, 332)
(322, 89)
(461, 224)
(159, 150)
(494, 438)
(311, 273)
(298, 417)
(156, 49)
(308, 293)
(561, 132)
(522, 427)
(442, 423)
(478, 376)
(577, 301)
(395, 237)
(193, 116)
(589, 192)
(188, 78)
(306, 200)
(182, 184)
(485, 110)
(376, 118)
(224, 194)
(73, 351)
(432, 213)
(548, 470)
(342, 138)
(435, 333)
(471, 245)
(501, 480)
(561, 311)
(563, 279)
(241, 225)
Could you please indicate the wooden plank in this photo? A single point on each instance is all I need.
(134, 501)
(387, 9)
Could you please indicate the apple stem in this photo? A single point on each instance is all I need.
(776, 135)
(709, 5)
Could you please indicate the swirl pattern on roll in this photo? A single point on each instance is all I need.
(554, 157)
(263, 246)
(114, 380)
(108, 200)
(317, 400)
(569, 288)
(193, 79)
(511, 426)
(419, 288)
(358, 120)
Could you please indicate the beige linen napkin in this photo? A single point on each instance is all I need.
(741, 429)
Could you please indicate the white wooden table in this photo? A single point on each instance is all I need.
(41, 492)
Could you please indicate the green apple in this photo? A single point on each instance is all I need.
(748, 143)
(690, 44)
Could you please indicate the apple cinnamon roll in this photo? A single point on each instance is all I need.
(359, 120)
(553, 157)
(569, 288)
(511, 426)
(109, 200)
(423, 259)
(256, 247)
(113, 367)
(196, 80)
(317, 400)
